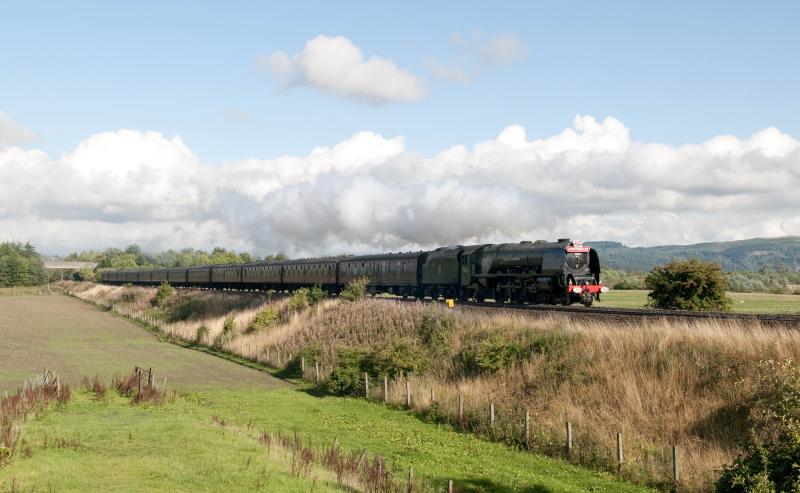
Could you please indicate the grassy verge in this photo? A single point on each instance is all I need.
(209, 441)
(109, 445)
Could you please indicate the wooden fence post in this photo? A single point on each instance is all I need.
(410, 479)
(302, 366)
(491, 414)
(461, 409)
(676, 477)
(433, 396)
(408, 393)
(366, 385)
(619, 451)
(385, 388)
(450, 486)
(527, 429)
(316, 371)
(569, 439)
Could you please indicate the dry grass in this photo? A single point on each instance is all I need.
(33, 398)
(657, 382)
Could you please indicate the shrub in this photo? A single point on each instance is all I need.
(229, 325)
(294, 368)
(490, 354)
(164, 293)
(772, 447)
(265, 319)
(355, 289)
(316, 294)
(299, 300)
(189, 308)
(396, 358)
(85, 274)
(202, 335)
(435, 329)
(688, 285)
(347, 374)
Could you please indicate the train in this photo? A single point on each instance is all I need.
(537, 272)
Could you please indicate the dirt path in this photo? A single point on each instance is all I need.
(76, 339)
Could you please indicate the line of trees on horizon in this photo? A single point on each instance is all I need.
(133, 257)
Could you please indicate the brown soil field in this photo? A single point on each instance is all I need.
(75, 340)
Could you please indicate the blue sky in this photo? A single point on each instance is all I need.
(673, 72)
(324, 128)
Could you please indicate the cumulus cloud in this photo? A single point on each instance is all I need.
(337, 66)
(475, 53)
(12, 133)
(371, 193)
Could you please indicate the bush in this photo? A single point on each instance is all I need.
(772, 446)
(298, 300)
(229, 325)
(163, 294)
(400, 357)
(316, 294)
(265, 319)
(490, 354)
(311, 354)
(355, 289)
(85, 274)
(202, 335)
(435, 329)
(188, 308)
(347, 374)
(688, 285)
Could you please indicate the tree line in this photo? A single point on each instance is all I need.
(780, 280)
(133, 257)
(20, 265)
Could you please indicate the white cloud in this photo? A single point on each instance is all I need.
(370, 193)
(475, 53)
(499, 49)
(11, 133)
(337, 66)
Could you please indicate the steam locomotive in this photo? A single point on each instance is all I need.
(540, 272)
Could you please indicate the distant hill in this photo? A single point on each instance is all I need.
(743, 255)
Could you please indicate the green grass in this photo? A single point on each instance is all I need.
(742, 302)
(178, 448)
(120, 447)
(435, 451)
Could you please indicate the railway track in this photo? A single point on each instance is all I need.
(622, 314)
(636, 314)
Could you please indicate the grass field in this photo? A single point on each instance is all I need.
(742, 302)
(178, 447)
(66, 335)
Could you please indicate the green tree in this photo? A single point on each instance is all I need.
(85, 274)
(20, 265)
(688, 285)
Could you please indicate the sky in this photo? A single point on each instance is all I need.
(323, 128)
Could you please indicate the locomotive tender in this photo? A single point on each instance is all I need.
(564, 271)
